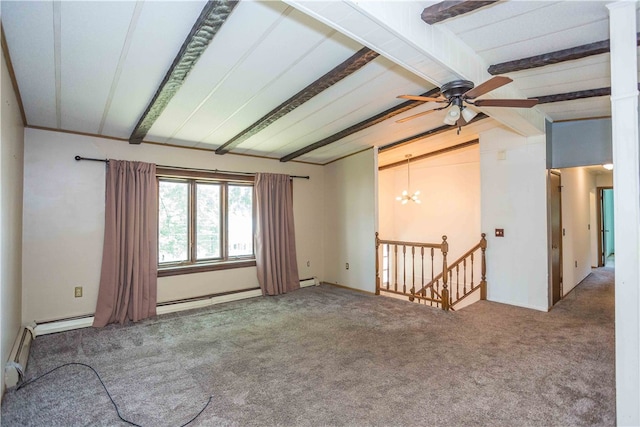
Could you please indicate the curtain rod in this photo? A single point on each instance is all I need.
(190, 169)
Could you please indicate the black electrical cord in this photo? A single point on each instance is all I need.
(107, 391)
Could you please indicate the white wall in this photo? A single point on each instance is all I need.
(450, 194)
(350, 221)
(577, 187)
(581, 143)
(64, 220)
(514, 197)
(11, 158)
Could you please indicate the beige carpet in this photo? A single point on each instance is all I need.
(329, 356)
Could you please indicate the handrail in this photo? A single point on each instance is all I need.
(444, 297)
(417, 244)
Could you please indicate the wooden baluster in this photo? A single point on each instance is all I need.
(432, 274)
(483, 283)
(395, 283)
(472, 282)
(413, 272)
(388, 266)
(457, 281)
(404, 269)
(377, 264)
(422, 270)
(450, 290)
(444, 247)
(464, 275)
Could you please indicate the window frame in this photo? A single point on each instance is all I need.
(224, 262)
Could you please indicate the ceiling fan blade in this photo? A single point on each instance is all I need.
(488, 86)
(415, 116)
(518, 103)
(421, 98)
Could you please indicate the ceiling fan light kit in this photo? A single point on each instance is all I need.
(457, 93)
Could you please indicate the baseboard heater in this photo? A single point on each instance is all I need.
(17, 364)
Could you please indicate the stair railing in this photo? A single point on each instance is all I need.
(448, 287)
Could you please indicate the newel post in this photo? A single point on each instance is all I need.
(483, 282)
(445, 274)
(377, 264)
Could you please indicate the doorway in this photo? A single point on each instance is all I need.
(606, 238)
(555, 217)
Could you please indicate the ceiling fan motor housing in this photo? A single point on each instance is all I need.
(456, 88)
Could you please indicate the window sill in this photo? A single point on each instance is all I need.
(201, 268)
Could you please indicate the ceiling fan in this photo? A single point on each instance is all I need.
(457, 93)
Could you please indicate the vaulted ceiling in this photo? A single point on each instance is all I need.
(307, 81)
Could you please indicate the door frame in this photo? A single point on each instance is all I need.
(550, 238)
(599, 210)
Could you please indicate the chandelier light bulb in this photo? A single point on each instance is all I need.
(405, 197)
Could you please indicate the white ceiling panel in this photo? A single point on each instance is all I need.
(92, 38)
(489, 16)
(349, 101)
(544, 43)
(28, 27)
(264, 80)
(330, 53)
(537, 31)
(537, 79)
(228, 49)
(583, 108)
(160, 32)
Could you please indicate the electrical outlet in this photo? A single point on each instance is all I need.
(78, 291)
(346, 266)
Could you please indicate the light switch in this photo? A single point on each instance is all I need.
(499, 232)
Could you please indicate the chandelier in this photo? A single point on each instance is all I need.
(405, 197)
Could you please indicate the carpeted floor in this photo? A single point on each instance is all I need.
(328, 356)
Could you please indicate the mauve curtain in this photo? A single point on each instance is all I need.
(128, 280)
(275, 236)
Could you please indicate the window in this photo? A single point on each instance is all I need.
(205, 222)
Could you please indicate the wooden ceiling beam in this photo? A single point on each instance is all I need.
(570, 54)
(432, 154)
(345, 69)
(380, 117)
(431, 132)
(213, 15)
(449, 9)
(570, 96)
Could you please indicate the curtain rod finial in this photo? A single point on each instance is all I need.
(78, 158)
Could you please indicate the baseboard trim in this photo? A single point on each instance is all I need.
(80, 322)
(64, 325)
(347, 287)
(173, 308)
